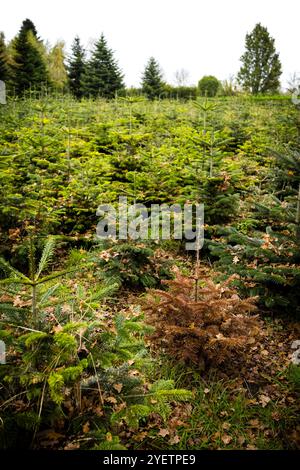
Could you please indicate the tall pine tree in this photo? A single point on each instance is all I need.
(152, 81)
(29, 68)
(261, 67)
(102, 76)
(76, 68)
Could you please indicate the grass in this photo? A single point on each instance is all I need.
(224, 416)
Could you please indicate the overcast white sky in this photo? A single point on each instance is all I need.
(203, 36)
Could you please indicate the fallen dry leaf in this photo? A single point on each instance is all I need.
(226, 426)
(264, 400)
(174, 440)
(72, 446)
(163, 432)
(99, 411)
(226, 439)
(118, 387)
(111, 400)
(276, 415)
(18, 302)
(254, 423)
(264, 352)
(86, 427)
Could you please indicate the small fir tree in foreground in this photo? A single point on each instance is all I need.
(203, 324)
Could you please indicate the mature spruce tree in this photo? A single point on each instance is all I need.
(4, 61)
(76, 68)
(27, 26)
(29, 68)
(102, 76)
(152, 80)
(261, 67)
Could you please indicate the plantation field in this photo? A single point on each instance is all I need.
(141, 344)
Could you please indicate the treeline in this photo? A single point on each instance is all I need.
(27, 64)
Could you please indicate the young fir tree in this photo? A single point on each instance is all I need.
(261, 67)
(287, 177)
(29, 68)
(152, 81)
(102, 76)
(4, 61)
(76, 68)
(267, 256)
